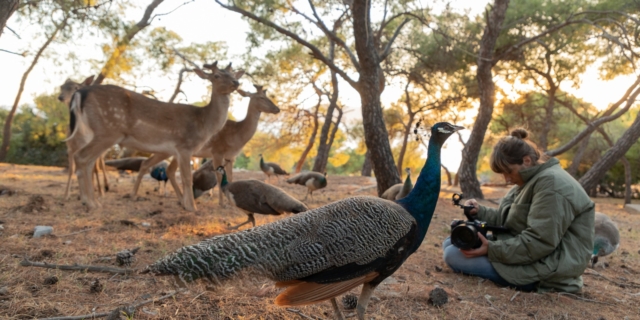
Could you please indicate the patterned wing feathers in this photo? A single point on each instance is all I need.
(303, 293)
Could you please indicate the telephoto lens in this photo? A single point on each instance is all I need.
(465, 237)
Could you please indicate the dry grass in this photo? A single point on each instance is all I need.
(118, 226)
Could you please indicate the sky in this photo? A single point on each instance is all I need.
(201, 21)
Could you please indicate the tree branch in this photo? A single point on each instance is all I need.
(605, 118)
(387, 48)
(315, 51)
(329, 33)
(116, 311)
(27, 263)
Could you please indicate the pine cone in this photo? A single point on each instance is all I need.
(350, 301)
(125, 257)
(50, 280)
(96, 286)
(438, 297)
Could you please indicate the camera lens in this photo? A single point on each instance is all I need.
(464, 237)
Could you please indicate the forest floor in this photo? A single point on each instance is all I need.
(159, 226)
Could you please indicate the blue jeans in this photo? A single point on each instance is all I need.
(478, 266)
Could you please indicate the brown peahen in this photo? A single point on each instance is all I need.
(327, 251)
(312, 180)
(254, 196)
(204, 179)
(400, 190)
(270, 168)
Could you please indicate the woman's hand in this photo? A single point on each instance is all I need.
(474, 203)
(482, 251)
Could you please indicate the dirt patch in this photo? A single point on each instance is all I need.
(609, 293)
(36, 204)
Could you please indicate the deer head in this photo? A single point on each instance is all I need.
(69, 87)
(223, 81)
(260, 101)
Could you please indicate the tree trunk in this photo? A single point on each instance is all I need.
(6, 133)
(312, 139)
(448, 174)
(627, 179)
(122, 45)
(597, 172)
(407, 129)
(543, 144)
(367, 166)
(375, 132)
(322, 157)
(468, 178)
(575, 164)
(7, 8)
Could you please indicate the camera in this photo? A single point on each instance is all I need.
(464, 234)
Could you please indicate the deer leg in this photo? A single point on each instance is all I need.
(363, 301)
(187, 182)
(144, 168)
(336, 309)
(72, 169)
(104, 173)
(85, 160)
(96, 174)
(171, 174)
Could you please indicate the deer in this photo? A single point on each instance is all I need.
(67, 89)
(226, 145)
(108, 115)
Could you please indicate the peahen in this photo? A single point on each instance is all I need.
(327, 251)
(607, 237)
(204, 179)
(400, 190)
(131, 164)
(312, 180)
(254, 196)
(270, 168)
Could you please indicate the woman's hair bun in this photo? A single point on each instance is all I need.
(519, 133)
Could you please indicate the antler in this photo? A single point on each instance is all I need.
(259, 88)
(228, 68)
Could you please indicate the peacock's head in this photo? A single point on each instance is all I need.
(442, 130)
(220, 169)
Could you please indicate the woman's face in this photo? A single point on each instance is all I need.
(514, 174)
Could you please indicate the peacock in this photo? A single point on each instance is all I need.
(607, 237)
(254, 196)
(204, 179)
(400, 190)
(270, 168)
(326, 251)
(159, 172)
(312, 180)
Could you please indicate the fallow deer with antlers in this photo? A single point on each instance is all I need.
(108, 114)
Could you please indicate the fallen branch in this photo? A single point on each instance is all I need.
(116, 311)
(27, 263)
(619, 284)
(298, 312)
(514, 296)
(583, 299)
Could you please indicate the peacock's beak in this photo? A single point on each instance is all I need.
(458, 128)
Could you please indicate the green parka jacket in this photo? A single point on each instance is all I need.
(551, 230)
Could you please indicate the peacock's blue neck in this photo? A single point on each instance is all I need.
(224, 181)
(421, 201)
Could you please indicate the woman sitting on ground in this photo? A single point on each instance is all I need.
(550, 220)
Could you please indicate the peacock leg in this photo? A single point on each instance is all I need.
(250, 219)
(336, 309)
(363, 301)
